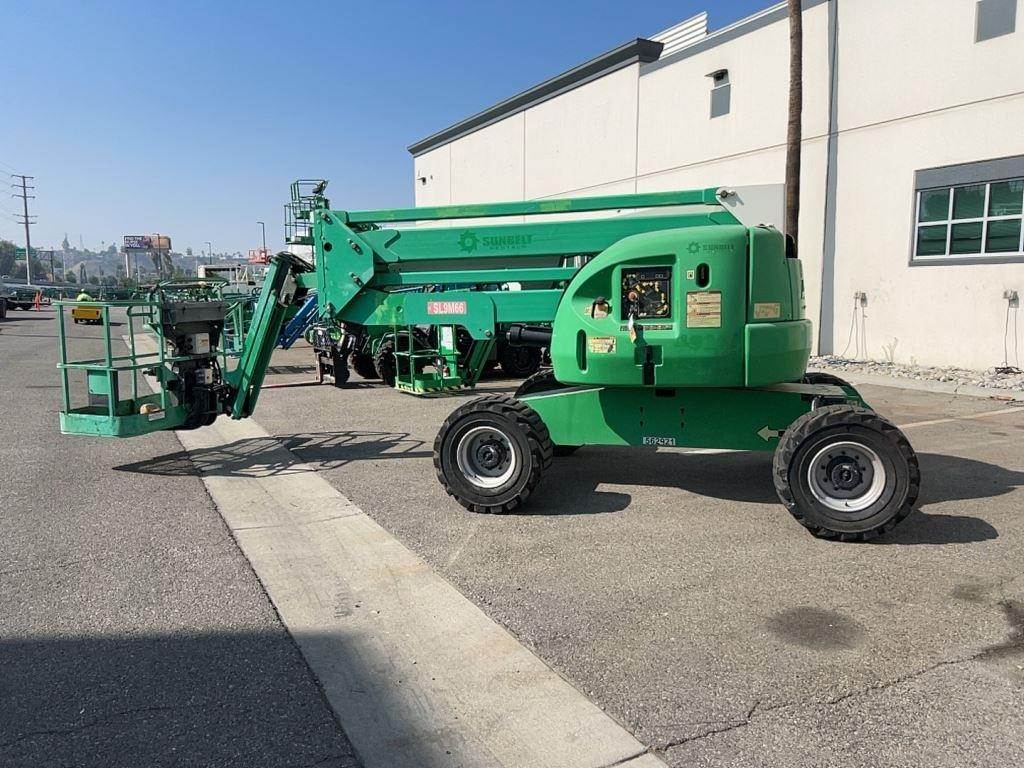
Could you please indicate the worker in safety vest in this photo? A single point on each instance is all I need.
(83, 296)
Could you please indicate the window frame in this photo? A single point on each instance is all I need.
(964, 176)
(979, 11)
(722, 88)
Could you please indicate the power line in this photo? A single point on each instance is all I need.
(26, 219)
(10, 168)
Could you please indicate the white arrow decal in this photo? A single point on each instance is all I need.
(766, 433)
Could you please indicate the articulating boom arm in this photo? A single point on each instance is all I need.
(280, 290)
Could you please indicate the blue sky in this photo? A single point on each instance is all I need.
(191, 118)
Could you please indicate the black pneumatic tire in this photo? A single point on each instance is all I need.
(818, 377)
(522, 436)
(803, 452)
(542, 381)
(385, 361)
(362, 364)
(518, 362)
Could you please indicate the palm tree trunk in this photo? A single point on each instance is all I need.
(796, 105)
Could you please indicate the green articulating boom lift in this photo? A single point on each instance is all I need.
(669, 323)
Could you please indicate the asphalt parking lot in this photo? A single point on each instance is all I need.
(680, 596)
(669, 587)
(132, 630)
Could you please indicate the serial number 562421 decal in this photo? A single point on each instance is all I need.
(659, 440)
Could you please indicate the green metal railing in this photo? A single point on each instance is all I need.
(106, 412)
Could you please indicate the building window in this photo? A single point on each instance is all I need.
(970, 221)
(720, 93)
(995, 18)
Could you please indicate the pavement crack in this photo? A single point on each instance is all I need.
(98, 721)
(729, 725)
(627, 758)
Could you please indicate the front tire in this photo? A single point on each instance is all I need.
(491, 453)
(846, 473)
(544, 381)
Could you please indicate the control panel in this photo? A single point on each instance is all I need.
(646, 293)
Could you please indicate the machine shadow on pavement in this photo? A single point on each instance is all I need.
(746, 477)
(175, 698)
(572, 486)
(248, 458)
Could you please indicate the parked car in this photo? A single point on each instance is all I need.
(22, 297)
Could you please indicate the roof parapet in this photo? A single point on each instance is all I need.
(638, 50)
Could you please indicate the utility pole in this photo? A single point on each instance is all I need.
(264, 228)
(26, 220)
(794, 134)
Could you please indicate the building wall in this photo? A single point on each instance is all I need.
(912, 91)
(942, 99)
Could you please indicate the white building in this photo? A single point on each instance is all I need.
(913, 117)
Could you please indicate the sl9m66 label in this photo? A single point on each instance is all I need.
(446, 307)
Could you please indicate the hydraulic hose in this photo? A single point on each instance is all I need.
(528, 336)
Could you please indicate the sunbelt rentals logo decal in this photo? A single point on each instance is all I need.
(696, 247)
(469, 242)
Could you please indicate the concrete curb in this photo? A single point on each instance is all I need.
(417, 674)
(926, 385)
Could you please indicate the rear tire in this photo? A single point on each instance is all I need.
(491, 453)
(518, 362)
(387, 363)
(362, 363)
(818, 377)
(846, 473)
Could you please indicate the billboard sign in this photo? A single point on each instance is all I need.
(147, 243)
(137, 242)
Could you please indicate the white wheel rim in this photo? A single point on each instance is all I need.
(846, 476)
(486, 457)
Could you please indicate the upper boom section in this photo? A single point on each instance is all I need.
(358, 254)
(534, 207)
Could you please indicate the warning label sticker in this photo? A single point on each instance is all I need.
(601, 345)
(767, 310)
(704, 309)
(446, 307)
